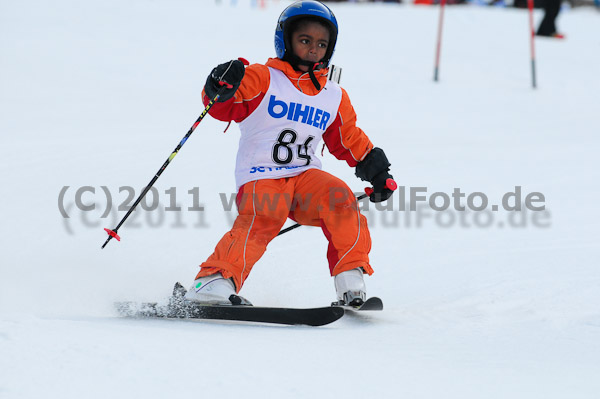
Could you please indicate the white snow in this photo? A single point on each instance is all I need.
(98, 93)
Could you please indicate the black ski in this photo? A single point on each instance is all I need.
(290, 316)
(178, 308)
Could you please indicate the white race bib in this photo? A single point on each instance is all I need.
(280, 138)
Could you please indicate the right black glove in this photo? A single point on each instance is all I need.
(229, 74)
(375, 169)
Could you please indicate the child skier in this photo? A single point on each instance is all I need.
(283, 109)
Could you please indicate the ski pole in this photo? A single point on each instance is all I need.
(439, 42)
(224, 86)
(389, 184)
(532, 36)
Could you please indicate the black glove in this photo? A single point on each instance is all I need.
(375, 169)
(229, 74)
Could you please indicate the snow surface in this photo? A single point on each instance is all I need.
(98, 93)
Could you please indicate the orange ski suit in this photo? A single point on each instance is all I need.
(314, 197)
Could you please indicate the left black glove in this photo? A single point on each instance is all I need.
(229, 74)
(375, 169)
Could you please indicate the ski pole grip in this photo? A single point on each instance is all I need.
(228, 85)
(390, 184)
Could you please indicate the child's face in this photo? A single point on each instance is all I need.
(309, 42)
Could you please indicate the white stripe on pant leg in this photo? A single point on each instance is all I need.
(355, 242)
(248, 235)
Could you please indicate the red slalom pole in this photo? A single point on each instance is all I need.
(532, 37)
(439, 42)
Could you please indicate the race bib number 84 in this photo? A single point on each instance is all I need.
(283, 150)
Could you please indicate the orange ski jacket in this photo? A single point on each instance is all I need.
(343, 138)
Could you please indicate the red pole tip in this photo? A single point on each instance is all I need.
(113, 234)
(369, 191)
(244, 61)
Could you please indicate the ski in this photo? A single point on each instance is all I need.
(178, 308)
(373, 303)
(290, 316)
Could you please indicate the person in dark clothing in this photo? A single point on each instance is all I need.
(547, 26)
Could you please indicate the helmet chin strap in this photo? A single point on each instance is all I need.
(296, 61)
(312, 67)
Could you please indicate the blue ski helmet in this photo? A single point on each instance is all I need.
(299, 10)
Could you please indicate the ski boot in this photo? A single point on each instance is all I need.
(214, 290)
(350, 288)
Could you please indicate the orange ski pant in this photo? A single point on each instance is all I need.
(313, 198)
